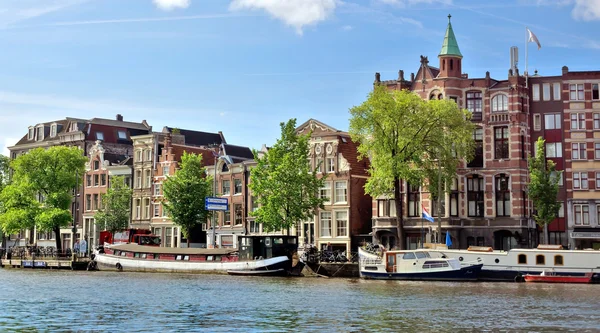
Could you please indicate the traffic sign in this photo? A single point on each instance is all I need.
(212, 203)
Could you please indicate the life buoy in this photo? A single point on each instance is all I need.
(119, 267)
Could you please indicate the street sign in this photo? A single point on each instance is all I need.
(212, 203)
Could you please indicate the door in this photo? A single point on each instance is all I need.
(390, 262)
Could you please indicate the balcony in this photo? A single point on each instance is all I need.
(496, 117)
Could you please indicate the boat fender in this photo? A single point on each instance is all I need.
(119, 267)
(519, 278)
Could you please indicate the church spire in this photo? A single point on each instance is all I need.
(450, 46)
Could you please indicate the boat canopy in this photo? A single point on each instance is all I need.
(170, 250)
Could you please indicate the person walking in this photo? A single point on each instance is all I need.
(76, 248)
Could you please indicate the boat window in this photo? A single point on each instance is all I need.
(117, 253)
(123, 254)
(540, 259)
(523, 259)
(186, 258)
(291, 240)
(217, 258)
(156, 256)
(277, 240)
(210, 258)
(144, 255)
(409, 255)
(136, 255)
(178, 257)
(558, 260)
(435, 264)
(421, 255)
(370, 268)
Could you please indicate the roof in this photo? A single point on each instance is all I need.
(207, 155)
(450, 46)
(238, 153)
(120, 123)
(62, 125)
(196, 138)
(170, 250)
(115, 159)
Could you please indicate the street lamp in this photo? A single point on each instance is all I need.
(75, 209)
(217, 155)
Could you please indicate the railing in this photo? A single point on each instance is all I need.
(499, 117)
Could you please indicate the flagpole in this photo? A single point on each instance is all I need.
(526, 56)
(422, 242)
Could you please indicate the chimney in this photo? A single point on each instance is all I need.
(565, 70)
(119, 117)
(377, 78)
(400, 75)
(487, 79)
(412, 77)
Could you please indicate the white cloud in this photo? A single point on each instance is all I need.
(347, 28)
(16, 11)
(172, 4)
(403, 3)
(295, 13)
(586, 10)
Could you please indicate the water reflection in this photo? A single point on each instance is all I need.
(61, 301)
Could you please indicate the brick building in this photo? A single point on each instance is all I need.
(488, 204)
(115, 136)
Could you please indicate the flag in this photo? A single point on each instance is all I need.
(448, 239)
(425, 215)
(533, 38)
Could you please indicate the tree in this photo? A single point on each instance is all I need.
(407, 138)
(4, 171)
(51, 175)
(286, 189)
(116, 206)
(185, 193)
(543, 187)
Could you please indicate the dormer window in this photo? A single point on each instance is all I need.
(100, 136)
(122, 135)
(40, 133)
(31, 133)
(53, 130)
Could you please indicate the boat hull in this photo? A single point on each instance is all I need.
(470, 273)
(270, 272)
(557, 279)
(107, 262)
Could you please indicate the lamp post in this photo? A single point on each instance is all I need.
(217, 155)
(75, 209)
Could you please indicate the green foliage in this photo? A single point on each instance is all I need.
(50, 174)
(116, 206)
(4, 171)
(282, 182)
(407, 138)
(185, 193)
(543, 186)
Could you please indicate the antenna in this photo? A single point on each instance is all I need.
(514, 58)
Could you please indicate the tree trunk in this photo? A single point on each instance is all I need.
(546, 234)
(187, 238)
(399, 215)
(58, 240)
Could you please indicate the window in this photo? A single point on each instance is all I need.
(576, 92)
(254, 227)
(477, 161)
(30, 133)
(537, 122)
(596, 120)
(138, 179)
(330, 167)
(578, 151)
(122, 135)
(95, 202)
(156, 210)
(96, 180)
(165, 170)
(553, 175)
(103, 180)
(553, 149)
(501, 142)
(546, 91)
(237, 209)
(325, 191)
(88, 180)
(148, 154)
(254, 204)
(147, 208)
(148, 178)
(434, 205)
(96, 165)
(502, 196)
(561, 210)
(540, 259)
(100, 136)
(475, 191)
(320, 165)
(582, 214)
(474, 102)
(556, 87)
(552, 121)
(558, 260)
(341, 191)
(595, 93)
(53, 130)
(580, 180)
(237, 186)
(413, 200)
(577, 121)
(454, 198)
(522, 259)
(156, 189)
(88, 202)
(168, 236)
(138, 156)
(138, 208)
(225, 187)
(164, 210)
(535, 92)
(325, 224)
(341, 219)
(500, 103)
(597, 151)
(386, 207)
(40, 133)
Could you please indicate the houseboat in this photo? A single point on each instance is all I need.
(254, 253)
(513, 264)
(414, 265)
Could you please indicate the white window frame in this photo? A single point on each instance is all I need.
(235, 189)
(579, 91)
(122, 135)
(330, 165)
(339, 227)
(557, 91)
(554, 149)
(31, 133)
(580, 181)
(157, 190)
(344, 189)
(535, 92)
(325, 192)
(53, 128)
(500, 103)
(537, 122)
(578, 121)
(325, 216)
(579, 151)
(581, 214)
(552, 119)
(156, 210)
(546, 92)
(100, 136)
(596, 118)
(226, 190)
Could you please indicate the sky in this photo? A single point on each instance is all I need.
(244, 66)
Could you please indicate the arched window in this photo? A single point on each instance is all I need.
(451, 64)
(502, 195)
(500, 103)
(558, 260)
(523, 259)
(540, 259)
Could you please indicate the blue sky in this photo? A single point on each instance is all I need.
(243, 66)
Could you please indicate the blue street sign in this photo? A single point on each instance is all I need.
(212, 203)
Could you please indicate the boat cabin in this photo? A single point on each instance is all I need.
(416, 261)
(256, 247)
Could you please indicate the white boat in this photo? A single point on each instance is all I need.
(255, 253)
(513, 264)
(414, 265)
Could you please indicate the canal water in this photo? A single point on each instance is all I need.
(66, 301)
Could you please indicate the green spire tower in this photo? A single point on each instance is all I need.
(450, 56)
